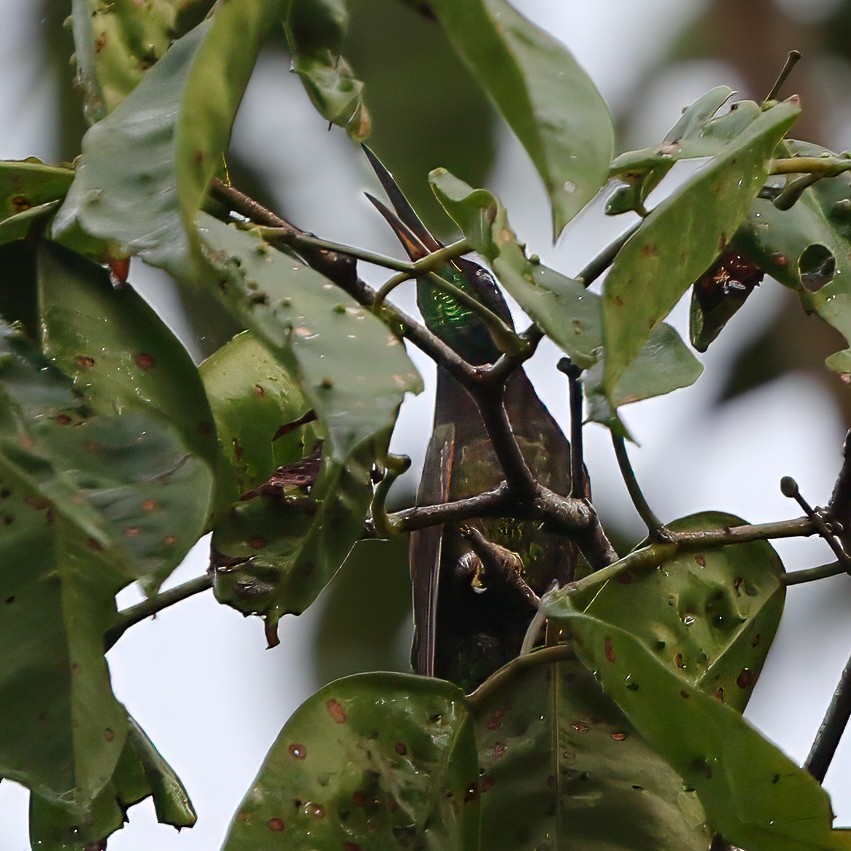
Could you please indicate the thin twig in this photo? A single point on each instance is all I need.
(812, 574)
(492, 503)
(654, 525)
(135, 614)
(789, 488)
(785, 71)
(578, 482)
(832, 727)
(606, 257)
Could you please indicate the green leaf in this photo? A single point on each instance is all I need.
(708, 615)
(548, 100)
(252, 395)
(123, 357)
(561, 767)
(353, 371)
(372, 761)
(29, 191)
(141, 773)
(316, 30)
(778, 241)
(145, 168)
(117, 41)
(569, 314)
(681, 238)
(642, 171)
(752, 793)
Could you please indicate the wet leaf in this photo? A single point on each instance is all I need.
(316, 30)
(697, 134)
(544, 95)
(561, 767)
(117, 41)
(569, 314)
(145, 167)
(682, 237)
(813, 236)
(708, 615)
(752, 793)
(370, 761)
(352, 370)
(123, 357)
(141, 773)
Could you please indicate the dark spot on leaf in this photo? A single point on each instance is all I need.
(618, 301)
(746, 678)
(722, 241)
(257, 542)
(471, 793)
(144, 360)
(679, 661)
(358, 798)
(132, 531)
(335, 710)
(205, 427)
(486, 784)
(700, 560)
(719, 693)
(609, 649)
(168, 540)
(258, 390)
(297, 751)
(93, 544)
(275, 824)
(84, 361)
(238, 451)
(75, 668)
(63, 419)
(638, 788)
(10, 599)
(498, 751)
(7, 519)
(580, 726)
(109, 734)
(5, 493)
(684, 694)
(619, 736)
(149, 504)
(648, 250)
(755, 640)
(401, 748)
(775, 778)
(703, 767)
(780, 260)
(351, 846)
(315, 810)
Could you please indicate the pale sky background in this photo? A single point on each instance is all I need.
(198, 678)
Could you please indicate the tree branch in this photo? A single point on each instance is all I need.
(832, 727)
(147, 608)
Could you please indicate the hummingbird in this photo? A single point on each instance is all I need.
(475, 584)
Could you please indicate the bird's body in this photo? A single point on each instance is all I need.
(466, 628)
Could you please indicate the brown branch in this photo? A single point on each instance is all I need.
(832, 727)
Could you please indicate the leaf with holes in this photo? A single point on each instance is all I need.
(567, 312)
(682, 237)
(752, 793)
(141, 773)
(560, 766)
(116, 42)
(545, 96)
(807, 248)
(316, 30)
(371, 761)
(145, 167)
(710, 615)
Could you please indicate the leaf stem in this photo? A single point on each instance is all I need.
(606, 257)
(822, 166)
(832, 727)
(791, 61)
(651, 521)
(135, 614)
(812, 574)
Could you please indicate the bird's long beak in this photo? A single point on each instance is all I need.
(406, 224)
